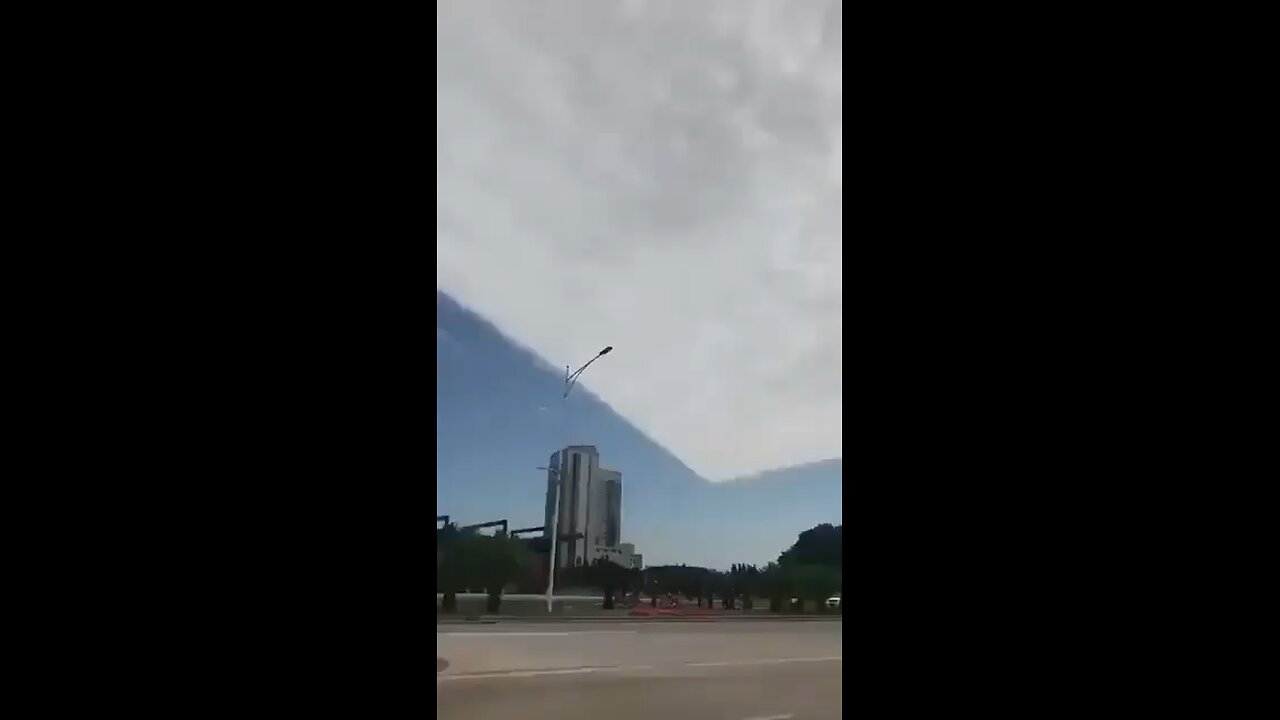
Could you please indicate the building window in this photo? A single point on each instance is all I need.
(573, 500)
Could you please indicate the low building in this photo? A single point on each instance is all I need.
(612, 554)
(623, 554)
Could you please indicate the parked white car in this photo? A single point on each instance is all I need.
(833, 602)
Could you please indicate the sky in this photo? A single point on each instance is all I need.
(665, 178)
(499, 415)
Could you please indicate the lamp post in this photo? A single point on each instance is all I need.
(570, 379)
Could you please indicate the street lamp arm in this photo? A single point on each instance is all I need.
(571, 380)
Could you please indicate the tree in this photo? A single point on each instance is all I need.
(814, 582)
(820, 545)
(472, 560)
(690, 581)
(499, 559)
(715, 582)
(811, 568)
(653, 585)
(742, 581)
(774, 585)
(603, 575)
(749, 585)
(449, 570)
(610, 577)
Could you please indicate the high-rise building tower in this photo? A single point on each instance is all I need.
(607, 516)
(590, 504)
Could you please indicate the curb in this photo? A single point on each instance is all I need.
(490, 620)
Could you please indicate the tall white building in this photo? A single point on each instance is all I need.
(590, 503)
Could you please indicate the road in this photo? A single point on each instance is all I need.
(731, 670)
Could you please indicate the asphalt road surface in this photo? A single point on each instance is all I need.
(735, 670)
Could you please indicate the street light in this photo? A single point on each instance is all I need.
(570, 379)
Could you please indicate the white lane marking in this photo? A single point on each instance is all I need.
(617, 668)
(524, 673)
(498, 634)
(556, 671)
(774, 717)
(535, 634)
(720, 663)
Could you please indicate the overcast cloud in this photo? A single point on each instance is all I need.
(664, 177)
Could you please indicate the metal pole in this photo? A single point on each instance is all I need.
(569, 381)
(561, 461)
(555, 521)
